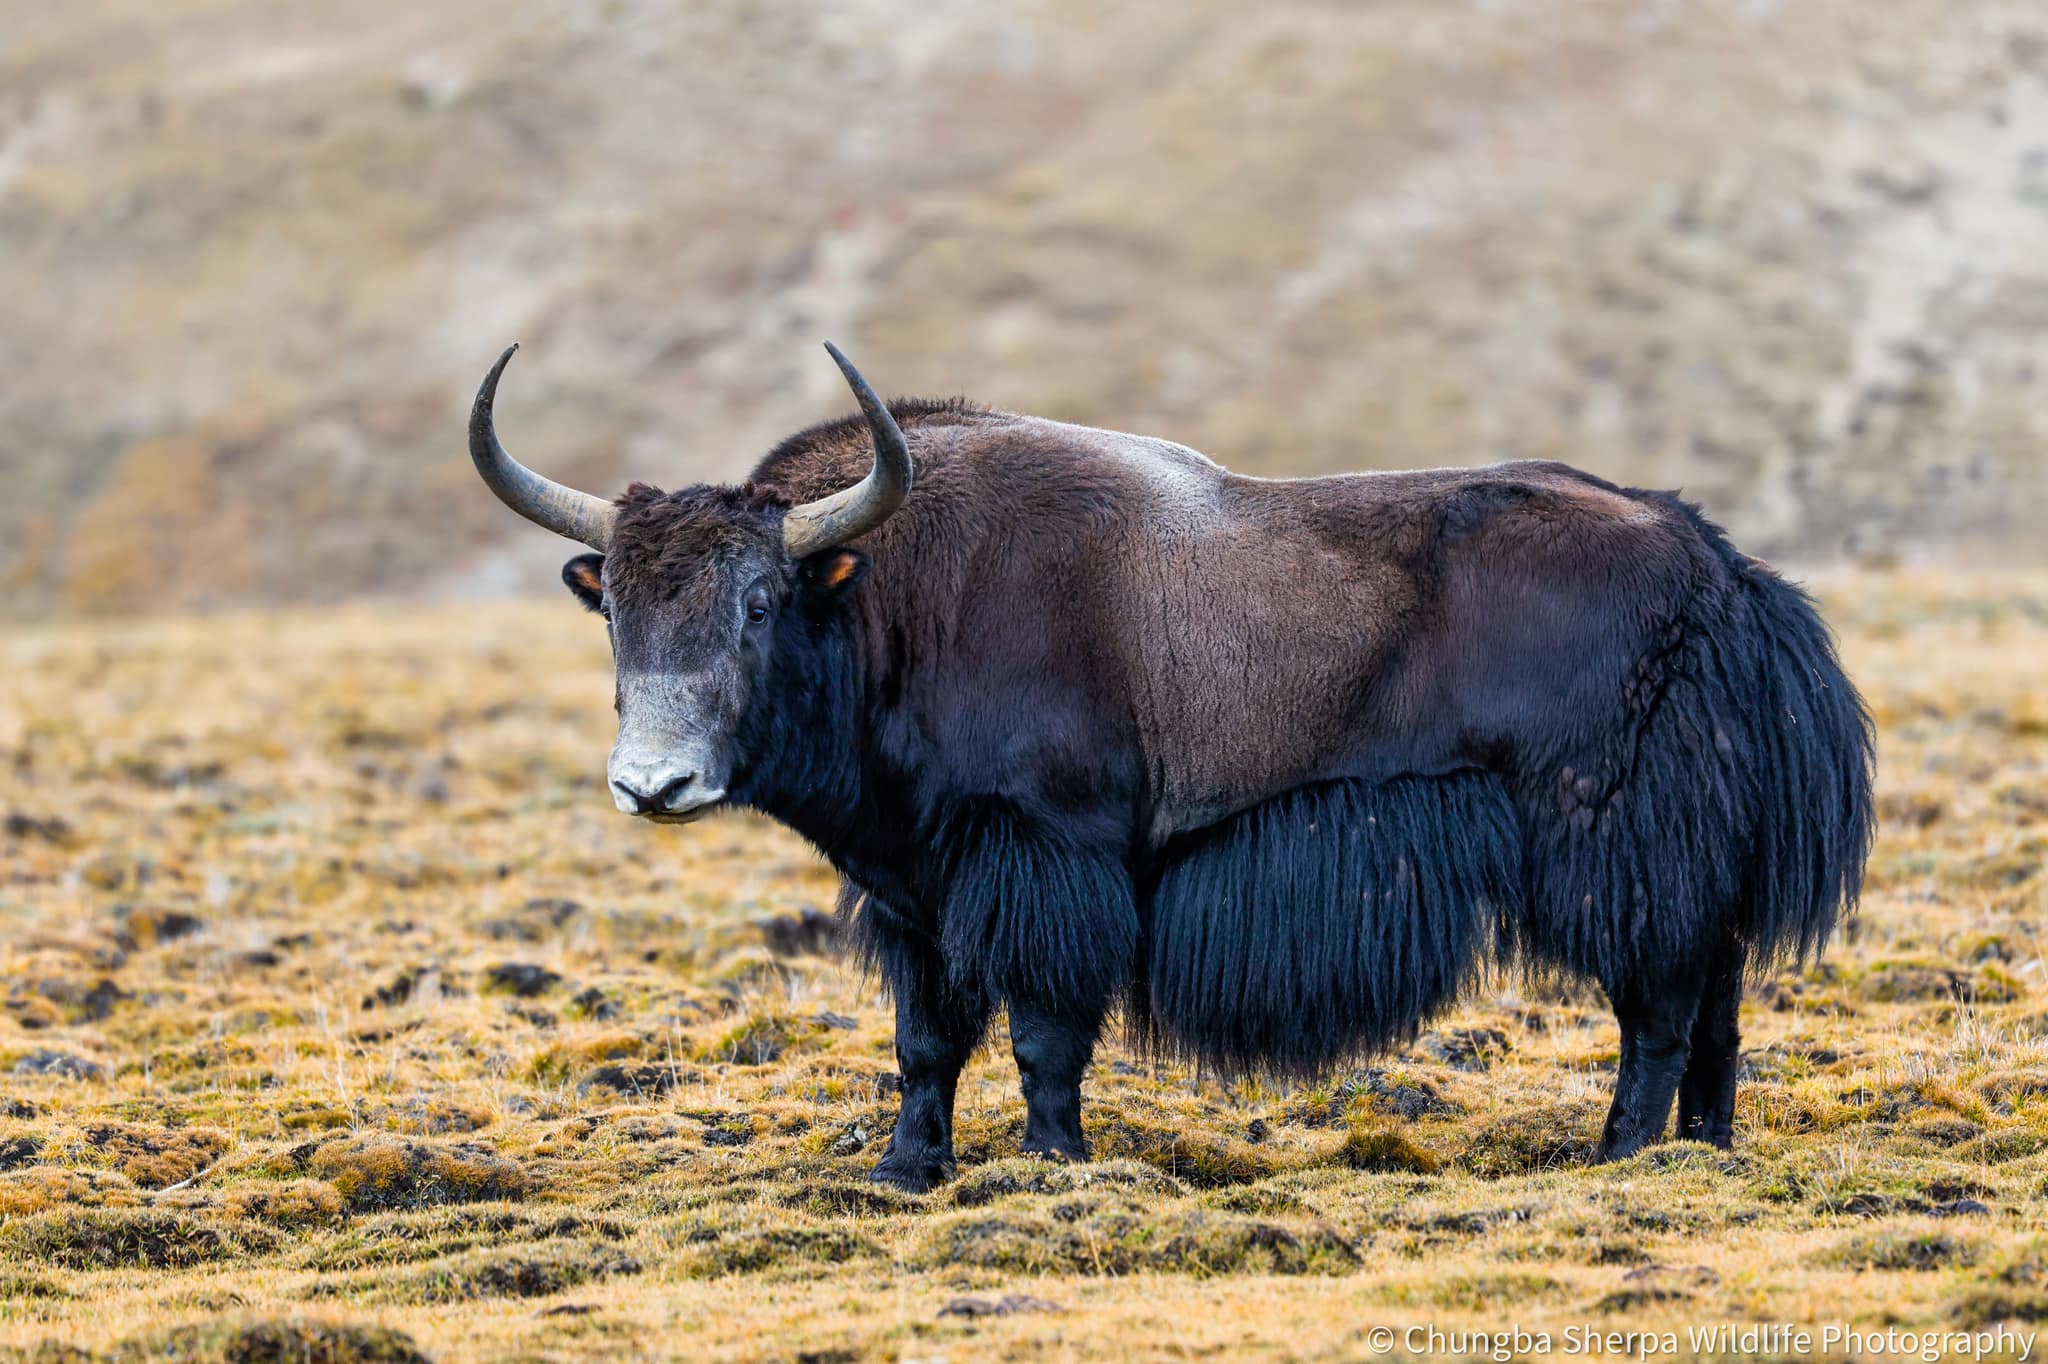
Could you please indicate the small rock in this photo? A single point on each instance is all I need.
(640, 1080)
(1410, 1101)
(16, 1152)
(144, 926)
(400, 989)
(48, 828)
(1464, 1048)
(59, 1063)
(98, 1002)
(811, 932)
(1010, 1304)
(1257, 1131)
(533, 920)
(593, 1003)
(568, 1309)
(1961, 1207)
(853, 1139)
(840, 1021)
(521, 978)
(1776, 996)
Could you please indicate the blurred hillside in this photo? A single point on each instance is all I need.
(254, 258)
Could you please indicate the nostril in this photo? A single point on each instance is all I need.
(642, 796)
(666, 796)
(635, 800)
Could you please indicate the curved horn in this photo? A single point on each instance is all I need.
(857, 510)
(561, 509)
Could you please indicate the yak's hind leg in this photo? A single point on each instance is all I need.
(1052, 1052)
(1656, 1038)
(1706, 1094)
(939, 1023)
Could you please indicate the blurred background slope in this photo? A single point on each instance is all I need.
(255, 257)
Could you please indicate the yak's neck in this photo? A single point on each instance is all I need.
(805, 738)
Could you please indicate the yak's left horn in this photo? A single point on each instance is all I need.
(854, 511)
(561, 509)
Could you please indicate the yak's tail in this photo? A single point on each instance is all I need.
(1806, 751)
(1813, 750)
(1328, 922)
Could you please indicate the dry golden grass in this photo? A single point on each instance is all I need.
(343, 1019)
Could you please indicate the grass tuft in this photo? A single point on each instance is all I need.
(290, 1340)
(379, 1172)
(130, 1238)
(1371, 1145)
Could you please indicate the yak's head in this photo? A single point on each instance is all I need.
(693, 586)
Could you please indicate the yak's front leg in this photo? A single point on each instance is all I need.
(938, 1025)
(1051, 925)
(1052, 1053)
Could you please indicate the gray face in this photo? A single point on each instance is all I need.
(691, 617)
(684, 680)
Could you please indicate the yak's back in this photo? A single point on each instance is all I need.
(1246, 635)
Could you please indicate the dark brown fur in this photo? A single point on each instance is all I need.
(1254, 634)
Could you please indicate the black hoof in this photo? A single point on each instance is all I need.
(914, 1174)
(1611, 1150)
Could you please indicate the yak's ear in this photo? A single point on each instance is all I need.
(585, 576)
(832, 573)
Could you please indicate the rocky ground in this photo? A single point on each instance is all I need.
(344, 1020)
(256, 257)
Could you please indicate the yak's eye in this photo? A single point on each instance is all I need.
(757, 612)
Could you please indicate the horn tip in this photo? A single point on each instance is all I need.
(849, 373)
(488, 392)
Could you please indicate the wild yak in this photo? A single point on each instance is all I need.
(1277, 766)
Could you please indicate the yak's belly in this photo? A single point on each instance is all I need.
(1328, 923)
